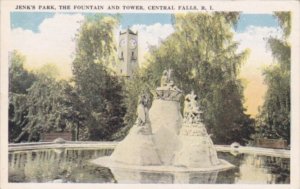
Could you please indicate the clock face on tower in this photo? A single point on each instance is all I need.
(132, 43)
(122, 43)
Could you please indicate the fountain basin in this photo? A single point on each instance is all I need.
(107, 162)
(73, 164)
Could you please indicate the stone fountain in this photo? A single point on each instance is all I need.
(162, 140)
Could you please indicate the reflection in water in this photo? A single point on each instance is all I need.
(259, 169)
(135, 176)
(68, 165)
(264, 169)
(196, 178)
(59, 165)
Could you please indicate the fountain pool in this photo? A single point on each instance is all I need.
(73, 165)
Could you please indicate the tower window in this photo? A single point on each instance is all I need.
(122, 55)
(132, 56)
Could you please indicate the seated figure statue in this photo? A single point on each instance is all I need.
(165, 78)
(172, 86)
(167, 90)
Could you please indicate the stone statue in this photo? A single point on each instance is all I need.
(165, 78)
(143, 109)
(192, 112)
(166, 82)
(172, 86)
(167, 90)
(187, 105)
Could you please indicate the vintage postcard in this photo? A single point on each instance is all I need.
(150, 94)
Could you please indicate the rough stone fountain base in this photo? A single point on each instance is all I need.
(162, 140)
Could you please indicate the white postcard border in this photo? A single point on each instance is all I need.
(246, 6)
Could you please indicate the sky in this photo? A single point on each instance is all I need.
(49, 38)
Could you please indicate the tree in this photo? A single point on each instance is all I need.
(274, 117)
(75, 119)
(46, 110)
(203, 57)
(99, 92)
(20, 80)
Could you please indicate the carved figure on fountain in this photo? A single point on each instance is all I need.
(138, 147)
(143, 121)
(192, 112)
(197, 148)
(167, 90)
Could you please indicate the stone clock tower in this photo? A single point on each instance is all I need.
(127, 53)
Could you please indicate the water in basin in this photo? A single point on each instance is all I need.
(73, 166)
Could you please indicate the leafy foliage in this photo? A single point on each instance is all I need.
(203, 57)
(91, 104)
(20, 80)
(274, 117)
(45, 108)
(18, 111)
(284, 19)
(99, 92)
(38, 102)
